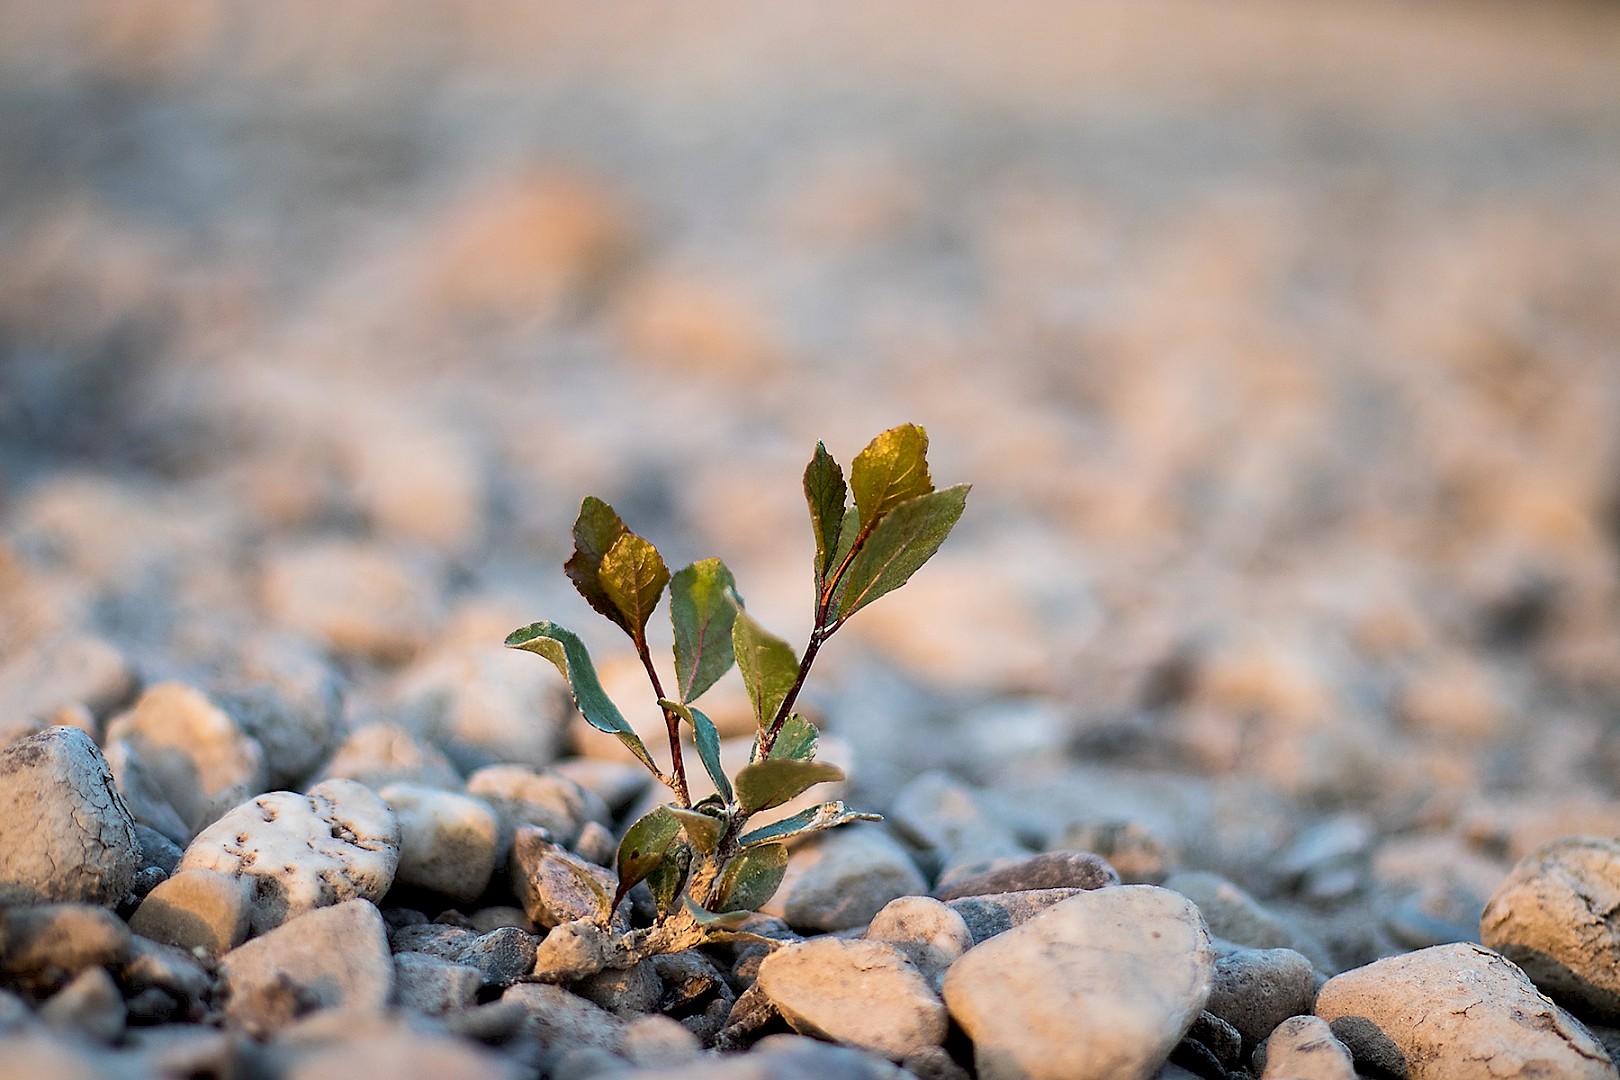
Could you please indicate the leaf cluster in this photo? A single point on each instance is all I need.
(872, 532)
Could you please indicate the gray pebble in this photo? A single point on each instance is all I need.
(89, 1004)
(433, 985)
(927, 931)
(1303, 1048)
(65, 833)
(841, 879)
(1048, 870)
(987, 916)
(1257, 989)
(553, 884)
(861, 993)
(625, 992)
(330, 957)
(42, 947)
(564, 1021)
(502, 956)
(379, 754)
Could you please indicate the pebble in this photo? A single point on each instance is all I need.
(65, 833)
(301, 852)
(1235, 916)
(379, 754)
(841, 879)
(502, 956)
(484, 704)
(157, 850)
(552, 883)
(1456, 1012)
(926, 931)
(167, 982)
(947, 818)
(1257, 989)
(564, 1021)
(89, 1004)
(987, 916)
(328, 958)
(1303, 1048)
(437, 939)
(863, 993)
(399, 1052)
(626, 992)
(359, 598)
(73, 669)
(547, 800)
(655, 1041)
(202, 762)
(1557, 915)
(143, 793)
(42, 946)
(433, 985)
(1048, 870)
(447, 840)
(1138, 854)
(1103, 985)
(573, 950)
(197, 909)
(285, 695)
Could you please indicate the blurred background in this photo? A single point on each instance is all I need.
(1280, 341)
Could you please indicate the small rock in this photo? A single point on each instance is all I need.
(90, 1004)
(617, 783)
(863, 993)
(926, 931)
(484, 704)
(564, 1021)
(656, 1041)
(171, 980)
(1303, 1048)
(378, 755)
(502, 956)
(302, 852)
(497, 916)
(65, 833)
(626, 992)
(447, 841)
(596, 844)
(1257, 989)
(399, 1052)
(947, 817)
(358, 598)
(1212, 1039)
(197, 909)
(285, 695)
(1557, 915)
(553, 884)
(1330, 859)
(987, 916)
(694, 985)
(43, 946)
(434, 985)
(1456, 1012)
(1235, 916)
(144, 795)
(169, 1050)
(841, 879)
(1138, 854)
(573, 950)
(157, 850)
(76, 669)
(494, 1023)
(547, 800)
(933, 1063)
(202, 761)
(326, 958)
(1103, 985)
(1049, 870)
(436, 939)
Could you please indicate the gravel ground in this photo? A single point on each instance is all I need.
(1279, 343)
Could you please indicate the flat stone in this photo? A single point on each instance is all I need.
(301, 852)
(1048, 870)
(1457, 1012)
(326, 958)
(447, 840)
(42, 946)
(1303, 1048)
(928, 932)
(553, 884)
(201, 760)
(197, 909)
(1557, 916)
(1257, 989)
(1103, 985)
(841, 879)
(862, 993)
(65, 833)
(564, 1021)
(433, 985)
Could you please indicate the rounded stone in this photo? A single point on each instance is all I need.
(328, 958)
(447, 840)
(861, 993)
(197, 909)
(1303, 1048)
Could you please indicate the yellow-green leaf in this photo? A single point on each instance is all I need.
(669, 877)
(774, 781)
(701, 829)
(906, 538)
(645, 845)
(596, 530)
(711, 920)
(892, 469)
(769, 668)
(633, 575)
(751, 878)
(797, 740)
(702, 615)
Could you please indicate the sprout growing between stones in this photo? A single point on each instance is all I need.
(706, 869)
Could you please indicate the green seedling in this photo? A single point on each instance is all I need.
(706, 869)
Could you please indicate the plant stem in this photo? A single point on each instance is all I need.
(672, 724)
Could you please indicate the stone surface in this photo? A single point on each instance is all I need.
(1235, 916)
(202, 762)
(1557, 916)
(1102, 985)
(502, 956)
(283, 693)
(573, 950)
(89, 1004)
(357, 598)
(197, 909)
(396, 1050)
(547, 800)
(564, 1021)
(447, 840)
(842, 878)
(143, 793)
(301, 852)
(1303, 1048)
(74, 669)
(327, 958)
(1048, 870)
(861, 993)
(1257, 989)
(946, 817)
(626, 992)
(1456, 1012)
(65, 833)
(987, 916)
(379, 754)
(553, 884)
(1138, 854)
(163, 982)
(928, 932)
(433, 985)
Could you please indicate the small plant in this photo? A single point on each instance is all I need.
(706, 869)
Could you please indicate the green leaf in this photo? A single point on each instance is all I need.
(701, 829)
(633, 575)
(826, 492)
(892, 469)
(564, 649)
(596, 530)
(769, 668)
(727, 920)
(702, 615)
(707, 739)
(796, 740)
(645, 845)
(669, 877)
(774, 781)
(750, 879)
(905, 539)
(826, 816)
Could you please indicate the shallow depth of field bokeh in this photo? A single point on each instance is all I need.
(1281, 343)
